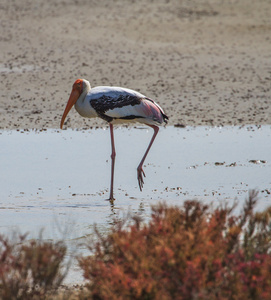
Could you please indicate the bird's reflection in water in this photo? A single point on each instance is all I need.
(118, 214)
(112, 205)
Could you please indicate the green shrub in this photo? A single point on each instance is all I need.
(193, 252)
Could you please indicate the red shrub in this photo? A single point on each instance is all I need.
(28, 270)
(191, 252)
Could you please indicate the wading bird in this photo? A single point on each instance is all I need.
(115, 105)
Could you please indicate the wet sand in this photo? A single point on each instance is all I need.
(205, 62)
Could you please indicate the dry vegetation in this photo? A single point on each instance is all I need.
(189, 252)
(29, 269)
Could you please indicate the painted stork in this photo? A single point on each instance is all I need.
(116, 105)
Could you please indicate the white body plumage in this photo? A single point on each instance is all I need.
(118, 105)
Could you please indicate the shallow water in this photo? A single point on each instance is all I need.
(59, 180)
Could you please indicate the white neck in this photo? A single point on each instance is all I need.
(82, 106)
(86, 89)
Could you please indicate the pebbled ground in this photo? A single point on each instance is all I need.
(205, 62)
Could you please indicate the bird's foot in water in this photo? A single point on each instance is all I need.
(111, 198)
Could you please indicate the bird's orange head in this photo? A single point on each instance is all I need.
(77, 90)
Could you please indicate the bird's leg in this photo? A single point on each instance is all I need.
(140, 171)
(113, 155)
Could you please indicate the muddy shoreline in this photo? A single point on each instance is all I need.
(204, 62)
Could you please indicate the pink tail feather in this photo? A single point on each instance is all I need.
(153, 111)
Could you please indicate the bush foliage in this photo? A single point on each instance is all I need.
(193, 252)
(29, 269)
(189, 252)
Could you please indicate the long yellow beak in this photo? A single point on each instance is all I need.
(72, 100)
